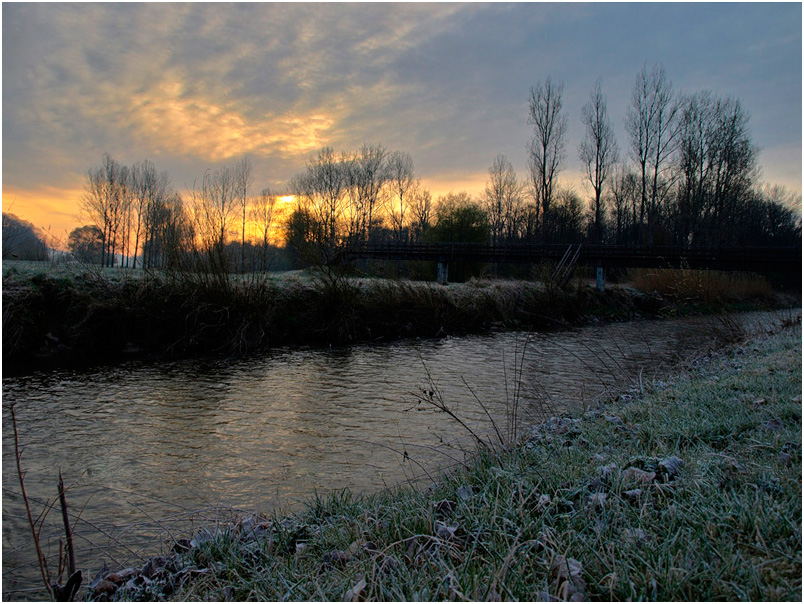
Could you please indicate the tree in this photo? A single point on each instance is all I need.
(421, 207)
(319, 191)
(403, 186)
(262, 216)
(368, 175)
(214, 206)
(625, 200)
(547, 148)
(105, 202)
(715, 167)
(567, 218)
(149, 191)
(170, 233)
(503, 200)
(598, 151)
(242, 177)
(651, 126)
(21, 240)
(459, 219)
(86, 244)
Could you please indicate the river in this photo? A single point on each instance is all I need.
(152, 449)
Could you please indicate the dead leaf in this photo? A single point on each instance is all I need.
(121, 576)
(357, 591)
(446, 532)
(354, 548)
(104, 587)
(567, 574)
(639, 476)
(635, 535)
(597, 500)
(633, 494)
(607, 471)
(773, 424)
(672, 465)
(465, 493)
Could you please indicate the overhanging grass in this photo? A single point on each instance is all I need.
(86, 316)
(564, 513)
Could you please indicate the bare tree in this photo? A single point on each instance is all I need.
(402, 184)
(547, 148)
(149, 189)
(652, 127)
(369, 177)
(421, 207)
(262, 214)
(502, 199)
(324, 186)
(242, 177)
(213, 209)
(598, 151)
(624, 194)
(170, 233)
(319, 226)
(715, 165)
(104, 203)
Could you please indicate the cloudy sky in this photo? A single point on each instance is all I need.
(196, 86)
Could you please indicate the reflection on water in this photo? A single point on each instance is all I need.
(147, 441)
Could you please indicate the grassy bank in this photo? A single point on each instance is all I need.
(84, 316)
(683, 490)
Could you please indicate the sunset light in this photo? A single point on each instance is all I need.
(402, 301)
(411, 77)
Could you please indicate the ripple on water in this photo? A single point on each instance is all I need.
(145, 441)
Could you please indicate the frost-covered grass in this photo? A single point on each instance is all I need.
(685, 490)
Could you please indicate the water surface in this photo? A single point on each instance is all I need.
(145, 445)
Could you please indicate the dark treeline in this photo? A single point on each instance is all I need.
(21, 240)
(686, 174)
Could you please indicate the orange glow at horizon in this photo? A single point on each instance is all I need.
(474, 184)
(53, 211)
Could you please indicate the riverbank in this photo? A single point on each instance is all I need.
(688, 489)
(85, 317)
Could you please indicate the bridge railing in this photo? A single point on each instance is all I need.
(763, 259)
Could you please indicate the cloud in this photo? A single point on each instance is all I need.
(195, 85)
(167, 120)
(214, 82)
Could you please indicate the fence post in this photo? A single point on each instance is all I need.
(601, 283)
(443, 272)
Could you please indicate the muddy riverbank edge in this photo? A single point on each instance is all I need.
(82, 319)
(683, 490)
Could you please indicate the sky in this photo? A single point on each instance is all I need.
(197, 86)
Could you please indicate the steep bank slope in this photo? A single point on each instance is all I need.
(85, 318)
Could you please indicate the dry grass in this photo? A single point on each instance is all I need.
(704, 286)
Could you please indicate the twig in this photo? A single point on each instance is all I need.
(31, 523)
(68, 533)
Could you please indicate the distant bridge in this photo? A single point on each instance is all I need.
(754, 259)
